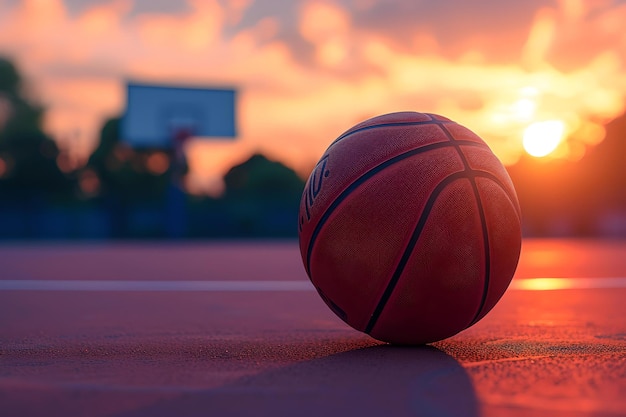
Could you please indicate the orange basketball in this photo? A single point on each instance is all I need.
(410, 228)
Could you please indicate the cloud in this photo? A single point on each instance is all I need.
(308, 70)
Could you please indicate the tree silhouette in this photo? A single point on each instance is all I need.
(125, 172)
(128, 178)
(27, 155)
(262, 179)
(262, 198)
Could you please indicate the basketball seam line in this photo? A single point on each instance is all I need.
(390, 124)
(502, 186)
(393, 282)
(408, 250)
(483, 223)
(366, 176)
(470, 174)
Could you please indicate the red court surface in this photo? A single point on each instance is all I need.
(235, 329)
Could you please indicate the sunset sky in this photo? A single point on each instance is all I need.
(545, 75)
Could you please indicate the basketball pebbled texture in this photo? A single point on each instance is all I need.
(409, 228)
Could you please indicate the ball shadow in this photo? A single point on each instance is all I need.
(373, 381)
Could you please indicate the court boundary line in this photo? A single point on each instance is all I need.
(522, 284)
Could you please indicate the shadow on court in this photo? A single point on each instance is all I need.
(378, 380)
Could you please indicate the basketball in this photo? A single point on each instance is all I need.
(409, 228)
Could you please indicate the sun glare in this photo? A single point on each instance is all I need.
(542, 138)
(524, 108)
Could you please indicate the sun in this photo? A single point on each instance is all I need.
(542, 138)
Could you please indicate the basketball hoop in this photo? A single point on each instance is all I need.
(165, 117)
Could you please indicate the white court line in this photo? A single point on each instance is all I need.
(550, 284)
(113, 285)
(529, 284)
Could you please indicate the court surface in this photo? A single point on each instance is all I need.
(235, 328)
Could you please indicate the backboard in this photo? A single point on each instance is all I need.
(156, 114)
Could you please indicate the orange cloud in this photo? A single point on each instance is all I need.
(326, 25)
